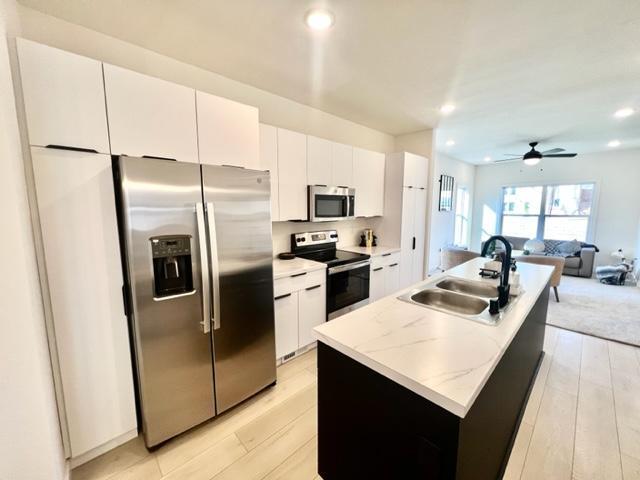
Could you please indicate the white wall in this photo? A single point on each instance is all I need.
(443, 223)
(274, 110)
(30, 442)
(617, 207)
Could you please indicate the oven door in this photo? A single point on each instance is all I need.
(327, 204)
(347, 285)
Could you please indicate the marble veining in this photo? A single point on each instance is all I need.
(373, 251)
(286, 268)
(442, 357)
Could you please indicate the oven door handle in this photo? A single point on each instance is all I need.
(347, 267)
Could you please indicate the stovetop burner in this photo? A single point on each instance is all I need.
(321, 247)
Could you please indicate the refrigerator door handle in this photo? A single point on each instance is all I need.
(215, 270)
(205, 323)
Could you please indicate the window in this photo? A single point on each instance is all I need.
(461, 233)
(558, 212)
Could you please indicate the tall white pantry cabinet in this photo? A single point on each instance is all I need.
(405, 207)
(65, 107)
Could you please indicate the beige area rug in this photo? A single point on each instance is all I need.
(606, 311)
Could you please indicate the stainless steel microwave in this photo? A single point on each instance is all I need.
(328, 204)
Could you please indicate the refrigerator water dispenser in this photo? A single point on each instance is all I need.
(172, 273)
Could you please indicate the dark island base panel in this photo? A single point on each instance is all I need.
(371, 427)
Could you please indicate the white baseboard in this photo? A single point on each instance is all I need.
(104, 448)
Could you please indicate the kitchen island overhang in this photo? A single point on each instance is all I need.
(404, 393)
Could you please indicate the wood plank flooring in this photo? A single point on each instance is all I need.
(582, 422)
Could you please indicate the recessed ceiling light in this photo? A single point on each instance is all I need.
(319, 19)
(614, 143)
(624, 112)
(487, 159)
(450, 143)
(447, 108)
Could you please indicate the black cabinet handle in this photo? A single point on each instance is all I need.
(393, 265)
(386, 254)
(414, 244)
(314, 287)
(342, 186)
(377, 269)
(298, 274)
(72, 149)
(159, 158)
(279, 297)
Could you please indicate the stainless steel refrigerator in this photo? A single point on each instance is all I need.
(199, 288)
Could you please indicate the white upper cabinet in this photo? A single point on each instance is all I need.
(269, 161)
(319, 161)
(227, 132)
(292, 174)
(64, 98)
(149, 116)
(329, 163)
(341, 164)
(368, 176)
(415, 171)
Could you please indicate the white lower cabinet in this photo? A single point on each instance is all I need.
(311, 312)
(385, 276)
(300, 305)
(286, 315)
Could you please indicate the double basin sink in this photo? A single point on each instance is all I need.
(458, 296)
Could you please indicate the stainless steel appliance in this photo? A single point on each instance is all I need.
(199, 284)
(347, 272)
(331, 203)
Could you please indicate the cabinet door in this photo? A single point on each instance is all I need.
(341, 165)
(79, 232)
(149, 116)
(227, 132)
(375, 189)
(63, 98)
(406, 236)
(318, 161)
(311, 312)
(415, 170)
(420, 222)
(286, 320)
(377, 283)
(391, 278)
(292, 175)
(269, 161)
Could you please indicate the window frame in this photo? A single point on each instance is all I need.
(464, 218)
(542, 214)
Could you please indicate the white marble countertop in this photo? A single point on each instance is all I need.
(444, 358)
(285, 268)
(373, 251)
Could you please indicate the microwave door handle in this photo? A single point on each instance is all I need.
(215, 267)
(205, 322)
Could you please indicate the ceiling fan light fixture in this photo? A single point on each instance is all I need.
(531, 161)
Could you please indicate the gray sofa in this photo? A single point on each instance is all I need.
(580, 265)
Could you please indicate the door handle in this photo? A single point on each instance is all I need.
(414, 243)
(280, 297)
(205, 322)
(215, 268)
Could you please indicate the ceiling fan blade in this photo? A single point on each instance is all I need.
(553, 150)
(508, 159)
(512, 154)
(558, 155)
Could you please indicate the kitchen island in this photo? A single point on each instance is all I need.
(406, 391)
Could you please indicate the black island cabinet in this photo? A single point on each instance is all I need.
(371, 427)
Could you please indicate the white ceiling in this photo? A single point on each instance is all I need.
(548, 70)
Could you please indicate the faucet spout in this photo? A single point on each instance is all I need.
(503, 289)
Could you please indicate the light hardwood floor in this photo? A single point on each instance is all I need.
(582, 422)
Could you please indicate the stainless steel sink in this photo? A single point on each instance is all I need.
(465, 298)
(453, 302)
(468, 287)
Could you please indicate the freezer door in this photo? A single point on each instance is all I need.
(238, 213)
(161, 222)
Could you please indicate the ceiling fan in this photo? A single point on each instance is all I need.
(533, 156)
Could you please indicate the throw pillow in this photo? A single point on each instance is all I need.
(534, 245)
(551, 247)
(570, 248)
